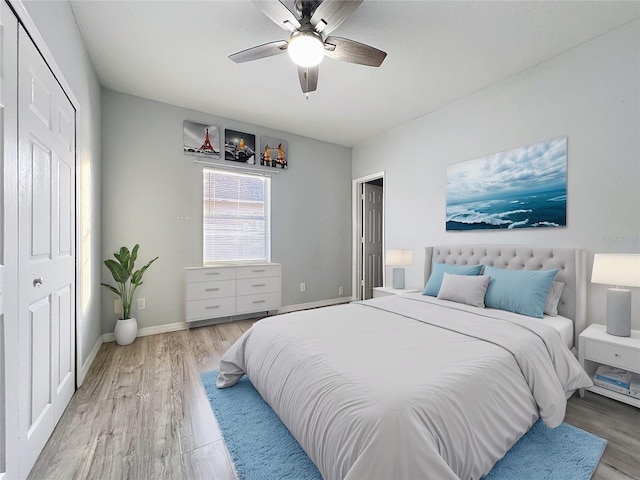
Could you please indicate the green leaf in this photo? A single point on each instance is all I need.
(136, 277)
(125, 257)
(134, 255)
(119, 273)
(113, 289)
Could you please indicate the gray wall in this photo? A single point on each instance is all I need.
(152, 195)
(590, 94)
(56, 24)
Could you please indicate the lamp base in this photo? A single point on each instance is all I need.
(619, 312)
(398, 278)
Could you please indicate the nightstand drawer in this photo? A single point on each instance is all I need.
(613, 355)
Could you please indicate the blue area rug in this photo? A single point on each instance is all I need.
(261, 447)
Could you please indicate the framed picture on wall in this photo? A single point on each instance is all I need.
(201, 140)
(273, 152)
(521, 188)
(239, 147)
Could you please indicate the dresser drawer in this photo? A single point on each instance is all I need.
(258, 303)
(210, 274)
(258, 271)
(204, 290)
(203, 309)
(251, 286)
(613, 355)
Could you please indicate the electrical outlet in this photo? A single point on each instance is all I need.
(340, 291)
(303, 287)
(142, 303)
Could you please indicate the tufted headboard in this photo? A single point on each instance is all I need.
(570, 262)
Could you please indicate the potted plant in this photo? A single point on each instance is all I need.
(127, 281)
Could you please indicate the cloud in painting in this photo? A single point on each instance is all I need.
(525, 169)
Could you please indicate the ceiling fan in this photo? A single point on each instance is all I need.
(309, 43)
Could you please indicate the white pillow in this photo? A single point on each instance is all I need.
(551, 305)
(465, 289)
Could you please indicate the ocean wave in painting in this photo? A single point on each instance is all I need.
(544, 209)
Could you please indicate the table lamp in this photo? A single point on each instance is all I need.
(622, 270)
(399, 258)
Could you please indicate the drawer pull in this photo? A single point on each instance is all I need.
(211, 307)
(258, 271)
(212, 289)
(213, 273)
(259, 301)
(258, 285)
(616, 355)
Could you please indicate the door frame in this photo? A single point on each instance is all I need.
(356, 215)
(32, 30)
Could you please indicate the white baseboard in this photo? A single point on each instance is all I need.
(143, 332)
(319, 303)
(89, 361)
(174, 327)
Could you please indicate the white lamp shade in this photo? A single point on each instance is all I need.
(399, 258)
(616, 269)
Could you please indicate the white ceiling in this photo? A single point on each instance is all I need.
(438, 51)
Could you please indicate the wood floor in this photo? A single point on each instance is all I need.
(142, 414)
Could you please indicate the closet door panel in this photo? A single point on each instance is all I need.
(46, 251)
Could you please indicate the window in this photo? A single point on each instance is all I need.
(236, 219)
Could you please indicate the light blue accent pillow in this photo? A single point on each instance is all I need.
(437, 272)
(519, 291)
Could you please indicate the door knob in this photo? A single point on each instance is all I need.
(37, 282)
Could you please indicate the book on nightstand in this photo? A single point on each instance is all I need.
(610, 386)
(612, 376)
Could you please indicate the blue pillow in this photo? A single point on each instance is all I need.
(519, 291)
(437, 272)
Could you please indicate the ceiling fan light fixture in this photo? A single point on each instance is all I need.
(306, 48)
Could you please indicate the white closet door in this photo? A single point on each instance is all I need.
(46, 251)
(8, 243)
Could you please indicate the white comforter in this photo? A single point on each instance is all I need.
(406, 387)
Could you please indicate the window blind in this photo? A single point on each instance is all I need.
(236, 217)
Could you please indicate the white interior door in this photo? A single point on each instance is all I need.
(9, 383)
(372, 238)
(46, 251)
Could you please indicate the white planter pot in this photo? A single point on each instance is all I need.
(126, 331)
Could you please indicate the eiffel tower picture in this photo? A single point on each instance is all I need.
(201, 140)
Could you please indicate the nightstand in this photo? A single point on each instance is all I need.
(596, 347)
(384, 291)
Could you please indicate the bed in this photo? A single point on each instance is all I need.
(415, 386)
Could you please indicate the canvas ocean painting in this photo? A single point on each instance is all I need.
(521, 188)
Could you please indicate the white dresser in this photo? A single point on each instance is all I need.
(226, 290)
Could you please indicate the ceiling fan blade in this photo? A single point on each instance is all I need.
(308, 78)
(279, 14)
(353, 52)
(330, 14)
(261, 51)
